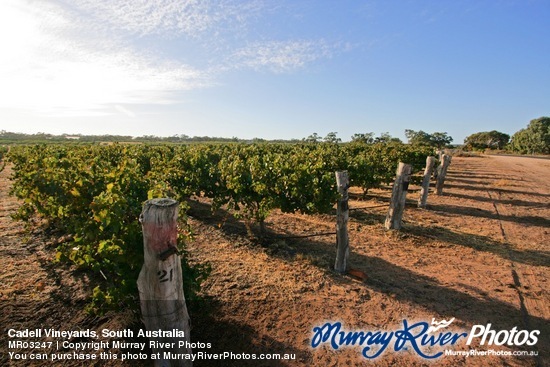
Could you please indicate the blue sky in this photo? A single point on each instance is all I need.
(273, 69)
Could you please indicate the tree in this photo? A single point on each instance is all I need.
(535, 139)
(437, 139)
(313, 138)
(331, 138)
(366, 138)
(418, 137)
(440, 140)
(486, 140)
(387, 138)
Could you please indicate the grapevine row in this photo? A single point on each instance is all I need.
(95, 193)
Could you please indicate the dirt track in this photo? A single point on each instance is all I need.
(478, 253)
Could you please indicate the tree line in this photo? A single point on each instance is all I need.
(534, 139)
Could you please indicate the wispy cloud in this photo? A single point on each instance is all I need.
(169, 18)
(49, 67)
(280, 56)
(61, 58)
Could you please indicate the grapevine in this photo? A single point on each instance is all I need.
(95, 193)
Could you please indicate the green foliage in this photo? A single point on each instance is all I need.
(95, 194)
(418, 137)
(375, 164)
(3, 151)
(251, 180)
(313, 138)
(535, 139)
(438, 140)
(363, 138)
(386, 138)
(332, 138)
(368, 138)
(486, 140)
(306, 178)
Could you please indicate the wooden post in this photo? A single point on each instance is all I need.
(439, 153)
(342, 216)
(430, 161)
(398, 196)
(442, 172)
(160, 282)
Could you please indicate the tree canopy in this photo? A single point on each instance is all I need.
(535, 139)
(365, 138)
(486, 140)
(437, 139)
(386, 138)
(368, 138)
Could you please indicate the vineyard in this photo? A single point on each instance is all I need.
(247, 212)
(94, 194)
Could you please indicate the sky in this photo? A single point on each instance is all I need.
(273, 69)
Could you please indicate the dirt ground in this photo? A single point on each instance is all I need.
(479, 253)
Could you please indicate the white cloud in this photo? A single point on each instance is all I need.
(149, 17)
(220, 25)
(81, 58)
(280, 56)
(169, 17)
(52, 66)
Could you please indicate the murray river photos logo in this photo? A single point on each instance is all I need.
(428, 341)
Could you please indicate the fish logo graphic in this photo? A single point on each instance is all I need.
(439, 325)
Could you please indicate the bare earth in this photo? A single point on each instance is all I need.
(479, 253)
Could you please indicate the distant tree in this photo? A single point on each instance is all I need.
(535, 139)
(313, 138)
(441, 140)
(437, 139)
(418, 137)
(486, 140)
(386, 138)
(331, 138)
(366, 138)
(148, 138)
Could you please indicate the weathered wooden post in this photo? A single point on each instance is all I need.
(442, 172)
(342, 216)
(398, 196)
(160, 283)
(430, 161)
(439, 153)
